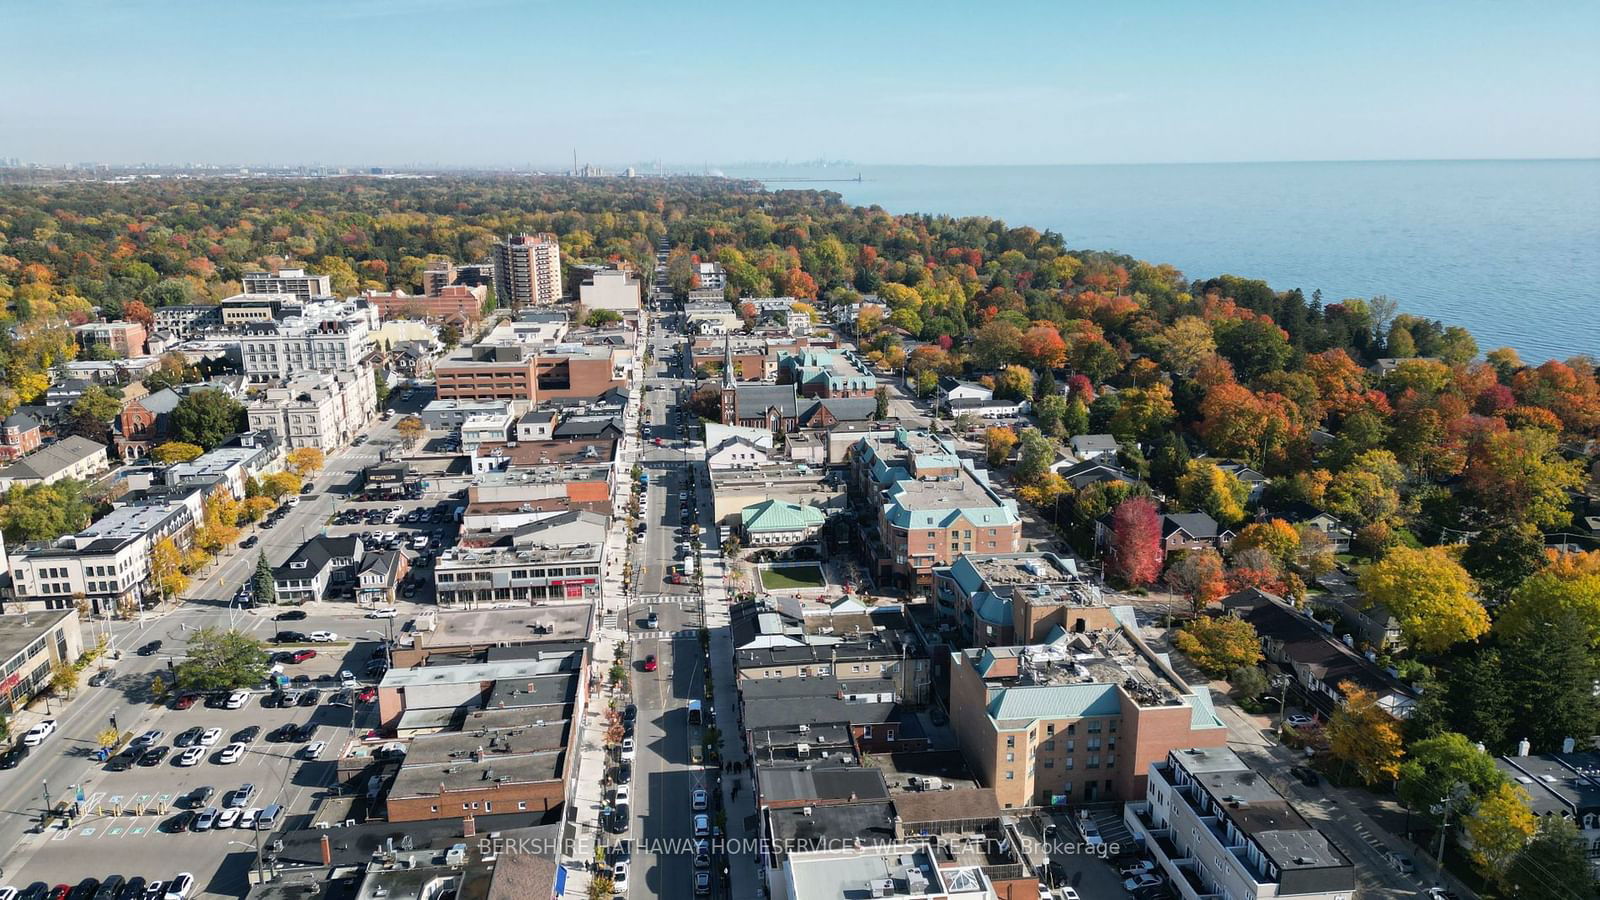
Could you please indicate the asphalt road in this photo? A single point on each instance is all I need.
(62, 763)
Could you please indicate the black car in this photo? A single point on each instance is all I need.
(283, 733)
(200, 796)
(84, 890)
(150, 649)
(189, 736)
(630, 713)
(290, 615)
(1308, 777)
(246, 735)
(154, 756)
(123, 761)
(100, 678)
(36, 891)
(311, 697)
(14, 756)
(133, 890)
(305, 732)
(110, 888)
(290, 637)
(179, 823)
(249, 542)
(342, 698)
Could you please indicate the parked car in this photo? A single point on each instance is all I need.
(191, 756)
(702, 883)
(201, 795)
(231, 754)
(323, 637)
(313, 749)
(1308, 777)
(1143, 882)
(702, 825)
(1401, 863)
(627, 752)
(1138, 868)
(1299, 720)
(311, 697)
(237, 700)
(650, 663)
(241, 796)
(247, 819)
(154, 756)
(179, 887)
(186, 700)
(14, 756)
(301, 656)
(697, 799)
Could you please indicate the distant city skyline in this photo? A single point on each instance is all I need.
(421, 83)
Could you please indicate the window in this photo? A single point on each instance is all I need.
(1011, 741)
(1050, 728)
(1011, 776)
(1072, 728)
(1094, 761)
(1049, 763)
(1011, 757)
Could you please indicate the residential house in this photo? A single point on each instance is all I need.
(320, 562)
(1251, 478)
(952, 388)
(1297, 513)
(1094, 446)
(1565, 784)
(1093, 471)
(378, 576)
(1301, 647)
(20, 435)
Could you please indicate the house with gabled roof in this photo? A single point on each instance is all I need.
(304, 577)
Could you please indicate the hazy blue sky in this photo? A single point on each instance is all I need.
(517, 81)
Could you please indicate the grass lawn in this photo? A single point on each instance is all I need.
(791, 578)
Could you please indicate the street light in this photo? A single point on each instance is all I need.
(261, 877)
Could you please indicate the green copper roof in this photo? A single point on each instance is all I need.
(776, 515)
(1055, 701)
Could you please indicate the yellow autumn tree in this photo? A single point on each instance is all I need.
(305, 461)
(166, 568)
(279, 484)
(1499, 828)
(175, 452)
(1219, 644)
(1430, 594)
(1277, 537)
(1365, 737)
(219, 521)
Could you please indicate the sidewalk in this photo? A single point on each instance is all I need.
(746, 878)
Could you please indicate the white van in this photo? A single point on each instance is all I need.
(269, 817)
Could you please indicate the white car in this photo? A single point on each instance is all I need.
(1138, 868)
(1066, 893)
(1143, 882)
(1299, 720)
(179, 887)
(191, 756)
(312, 750)
(149, 738)
(702, 825)
(248, 818)
(619, 877)
(237, 700)
(387, 612)
(323, 637)
(627, 749)
(229, 817)
(620, 797)
(231, 754)
(210, 736)
(347, 679)
(38, 733)
(698, 799)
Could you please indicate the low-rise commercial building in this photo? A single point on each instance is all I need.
(1216, 828)
(444, 415)
(613, 289)
(464, 633)
(456, 305)
(1004, 599)
(187, 320)
(534, 682)
(473, 577)
(326, 336)
(31, 643)
(1077, 719)
(896, 871)
(874, 649)
(531, 375)
(306, 575)
(776, 523)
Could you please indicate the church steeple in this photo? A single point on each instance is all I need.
(730, 414)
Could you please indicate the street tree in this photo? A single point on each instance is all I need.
(1498, 829)
(166, 569)
(220, 660)
(1436, 765)
(305, 461)
(410, 429)
(266, 587)
(1363, 736)
(1136, 549)
(1554, 865)
(1200, 576)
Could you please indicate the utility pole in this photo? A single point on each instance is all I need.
(1458, 791)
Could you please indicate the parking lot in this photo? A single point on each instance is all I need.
(419, 528)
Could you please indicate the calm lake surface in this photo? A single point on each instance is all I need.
(1509, 249)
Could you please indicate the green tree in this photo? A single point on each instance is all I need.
(881, 399)
(1254, 347)
(380, 380)
(266, 587)
(1434, 766)
(207, 417)
(97, 403)
(1501, 556)
(1034, 460)
(220, 660)
(1553, 866)
(1076, 419)
(1552, 661)
(1248, 682)
(1548, 597)
(44, 512)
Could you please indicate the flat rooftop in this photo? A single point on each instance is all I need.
(19, 630)
(1251, 803)
(427, 779)
(898, 872)
(479, 627)
(488, 743)
(480, 557)
(961, 492)
(800, 829)
(422, 676)
(1104, 656)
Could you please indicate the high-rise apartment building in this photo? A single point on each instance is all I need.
(527, 271)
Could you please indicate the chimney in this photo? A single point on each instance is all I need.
(327, 852)
(469, 826)
(899, 829)
(1523, 747)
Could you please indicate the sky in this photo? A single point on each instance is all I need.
(522, 82)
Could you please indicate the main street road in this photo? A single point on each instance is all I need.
(63, 760)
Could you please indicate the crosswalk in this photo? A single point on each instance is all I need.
(609, 620)
(666, 635)
(683, 600)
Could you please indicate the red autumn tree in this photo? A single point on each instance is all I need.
(1043, 347)
(1136, 549)
(137, 311)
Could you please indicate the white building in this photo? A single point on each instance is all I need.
(484, 428)
(319, 410)
(1217, 828)
(328, 336)
(108, 563)
(468, 577)
(901, 871)
(1093, 446)
(613, 289)
(288, 281)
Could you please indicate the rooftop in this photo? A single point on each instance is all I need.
(482, 557)
(1257, 810)
(19, 630)
(479, 627)
(52, 458)
(431, 779)
(485, 743)
(875, 871)
(467, 673)
(799, 829)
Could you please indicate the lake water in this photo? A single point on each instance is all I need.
(1509, 249)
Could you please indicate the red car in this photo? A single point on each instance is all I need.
(185, 700)
(367, 695)
(60, 892)
(677, 579)
(301, 656)
(650, 663)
